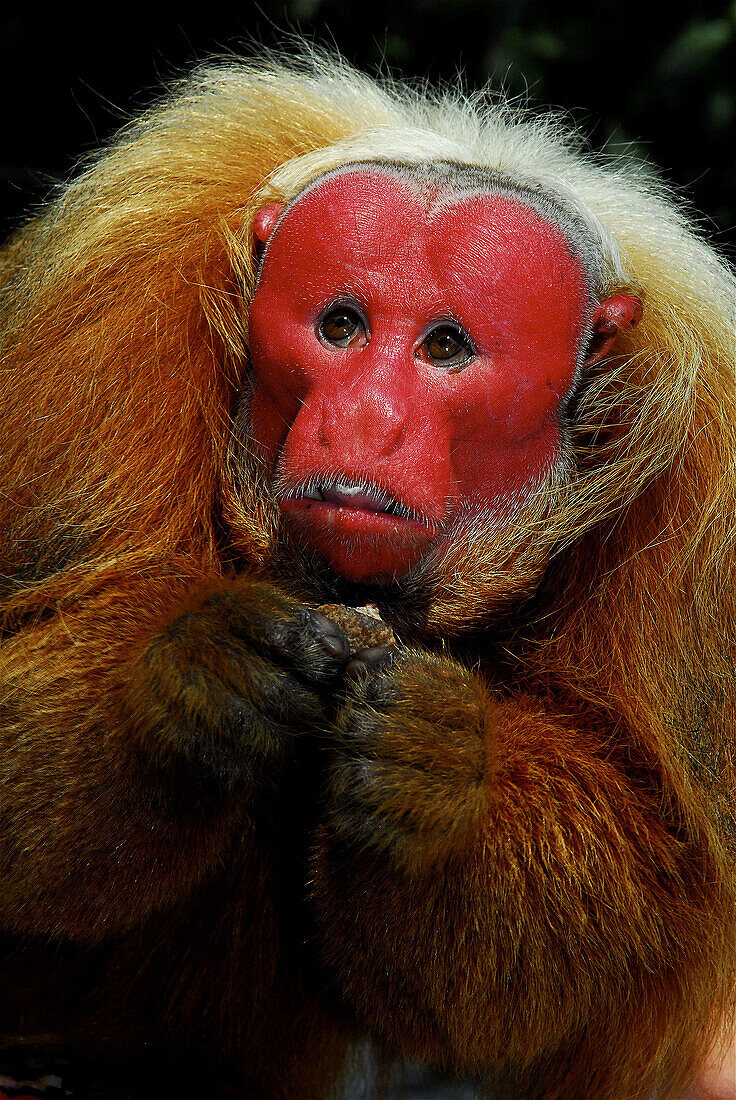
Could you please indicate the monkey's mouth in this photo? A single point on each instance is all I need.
(359, 496)
(359, 528)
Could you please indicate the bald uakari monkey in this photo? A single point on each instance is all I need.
(299, 340)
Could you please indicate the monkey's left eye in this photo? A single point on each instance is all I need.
(448, 345)
(341, 326)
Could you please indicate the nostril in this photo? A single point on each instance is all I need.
(395, 438)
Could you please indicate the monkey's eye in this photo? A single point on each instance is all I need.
(341, 326)
(448, 345)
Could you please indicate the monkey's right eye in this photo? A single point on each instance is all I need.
(341, 327)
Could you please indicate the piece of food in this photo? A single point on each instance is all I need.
(362, 626)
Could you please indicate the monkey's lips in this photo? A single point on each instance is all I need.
(359, 532)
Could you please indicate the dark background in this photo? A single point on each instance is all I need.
(639, 75)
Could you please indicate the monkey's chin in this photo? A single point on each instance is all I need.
(358, 545)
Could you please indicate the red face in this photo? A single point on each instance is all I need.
(410, 351)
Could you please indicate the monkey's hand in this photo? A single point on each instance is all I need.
(476, 852)
(229, 683)
(413, 762)
(127, 719)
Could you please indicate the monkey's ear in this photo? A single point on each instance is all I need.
(614, 315)
(265, 220)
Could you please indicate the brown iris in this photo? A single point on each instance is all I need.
(341, 326)
(448, 345)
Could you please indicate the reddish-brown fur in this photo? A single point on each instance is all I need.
(510, 852)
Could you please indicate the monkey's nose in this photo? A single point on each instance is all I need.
(361, 421)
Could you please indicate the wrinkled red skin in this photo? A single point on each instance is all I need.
(441, 441)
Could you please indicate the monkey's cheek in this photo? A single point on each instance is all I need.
(356, 544)
(268, 424)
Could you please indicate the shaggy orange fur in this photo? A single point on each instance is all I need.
(510, 852)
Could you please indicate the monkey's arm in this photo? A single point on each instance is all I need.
(139, 728)
(496, 884)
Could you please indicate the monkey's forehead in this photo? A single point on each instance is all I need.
(371, 223)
